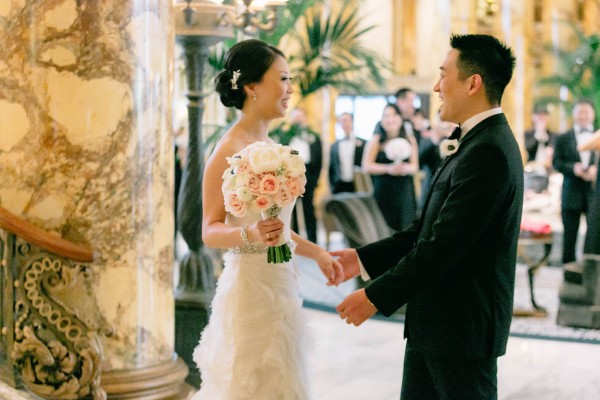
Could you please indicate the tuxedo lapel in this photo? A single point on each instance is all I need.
(498, 118)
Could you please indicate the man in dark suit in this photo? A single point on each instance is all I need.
(539, 140)
(405, 100)
(577, 175)
(430, 157)
(539, 144)
(455, 266)
(308, 144)
(346, 153)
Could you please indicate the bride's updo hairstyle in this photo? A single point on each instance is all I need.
(246, 62)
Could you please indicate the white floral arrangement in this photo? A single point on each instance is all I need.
(398, 149)
(448, 147)
(263, 178)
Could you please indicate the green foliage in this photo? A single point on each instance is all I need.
(578, 69)
(287, 18)
(284, 135)
(330, 54)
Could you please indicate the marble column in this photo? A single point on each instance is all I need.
(515, 22)
(86, 152)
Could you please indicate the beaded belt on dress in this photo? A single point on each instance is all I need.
(255, 248)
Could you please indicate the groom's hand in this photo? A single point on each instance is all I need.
(356, 308)
(349, 260)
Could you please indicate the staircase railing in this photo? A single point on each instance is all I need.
(50, 321)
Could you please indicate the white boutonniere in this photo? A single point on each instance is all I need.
(449, 147)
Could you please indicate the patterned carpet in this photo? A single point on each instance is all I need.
(547, 282)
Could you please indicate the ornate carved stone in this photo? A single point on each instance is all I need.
(57, 325)
(7, 371)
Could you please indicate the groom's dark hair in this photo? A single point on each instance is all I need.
(488, 57)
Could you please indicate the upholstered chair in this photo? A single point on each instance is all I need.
(358, 217)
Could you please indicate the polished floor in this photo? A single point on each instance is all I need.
(365, 363)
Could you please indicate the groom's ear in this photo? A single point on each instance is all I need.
(475, 83)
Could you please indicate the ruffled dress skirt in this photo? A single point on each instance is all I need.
(255, 343)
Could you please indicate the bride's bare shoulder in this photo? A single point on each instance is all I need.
(227, 146)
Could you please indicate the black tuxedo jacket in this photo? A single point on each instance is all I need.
(575, 191)
(335, 171)
(455, 267)
(313, 168)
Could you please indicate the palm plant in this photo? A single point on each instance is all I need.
(578, 69)
(287, 17)
(328, 52)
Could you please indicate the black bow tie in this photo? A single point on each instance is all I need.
(455, 133)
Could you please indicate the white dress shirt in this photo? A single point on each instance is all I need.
(346, 151)
(582, 135)
(300, 144)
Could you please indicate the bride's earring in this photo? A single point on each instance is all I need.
(254, 96)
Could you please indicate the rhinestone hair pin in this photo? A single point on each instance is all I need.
(236, 75)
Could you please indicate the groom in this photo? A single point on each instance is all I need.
(455, 267)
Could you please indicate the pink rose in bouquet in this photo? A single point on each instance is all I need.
(264, 178)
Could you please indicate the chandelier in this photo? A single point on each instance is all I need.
(213, 18)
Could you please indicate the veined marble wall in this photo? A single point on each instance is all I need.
(86, 151)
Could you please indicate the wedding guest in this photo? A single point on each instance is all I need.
(430, 156)
(308, 144)
(393, 174)
(346, 154)
(577, 176)
(539, 140)
(539, 143)
(420, 121)
(455, 267)
(405, 100)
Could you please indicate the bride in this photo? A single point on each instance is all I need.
(253, 346)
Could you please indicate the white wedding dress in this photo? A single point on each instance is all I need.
(255, 343)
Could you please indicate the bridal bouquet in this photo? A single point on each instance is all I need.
(264, 178)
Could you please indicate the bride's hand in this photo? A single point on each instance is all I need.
(331, 268)
(266, 231)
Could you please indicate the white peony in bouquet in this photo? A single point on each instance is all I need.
(398, 149)
(264, 178)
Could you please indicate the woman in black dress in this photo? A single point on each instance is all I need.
(393, 179)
